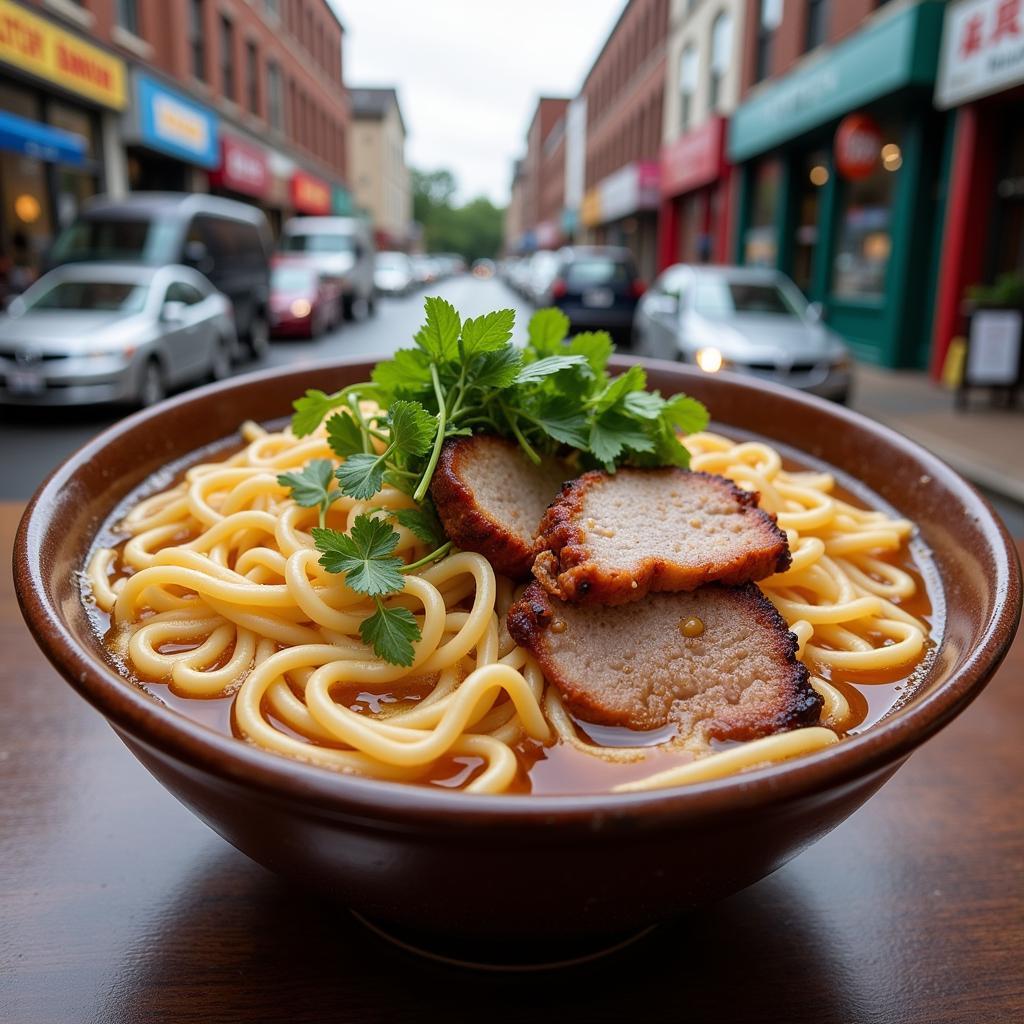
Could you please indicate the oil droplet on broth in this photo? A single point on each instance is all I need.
(691, 628)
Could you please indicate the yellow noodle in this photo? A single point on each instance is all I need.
(218, 590)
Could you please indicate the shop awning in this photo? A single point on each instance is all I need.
(41, 141)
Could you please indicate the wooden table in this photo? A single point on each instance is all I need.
(116, 905)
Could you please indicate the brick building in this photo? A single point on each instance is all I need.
(541, 209)
(241, 97)
(624, 95)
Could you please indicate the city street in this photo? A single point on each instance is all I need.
(36, 440)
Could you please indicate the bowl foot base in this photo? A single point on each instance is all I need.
(503, 955)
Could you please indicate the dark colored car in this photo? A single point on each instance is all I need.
(228, 242)
(597, 288)
(302, 303)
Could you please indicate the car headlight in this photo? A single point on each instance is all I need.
(125, 352)
(300, 307)
(709, 359)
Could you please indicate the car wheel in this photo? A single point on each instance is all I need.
(317, 323)
(152, 389)
(220, 367)
(258, 338)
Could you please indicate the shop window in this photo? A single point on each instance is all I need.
(252, 77)
(813, 176)
(687, 86)
(769, 21)
(14, 100)
(1010, 205)
(721, 47)
(275, 105)
(760, 247)
(197, 38)
(227, 58)
(864, 239)
(25, 225)
(128, 15)
(76, 120)
(817, 23)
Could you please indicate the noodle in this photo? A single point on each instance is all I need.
(218, 591)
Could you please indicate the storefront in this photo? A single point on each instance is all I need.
(310, 195)
(55, 90)
(843, 164)
(981, 80)
(623, 210)
(695, 179)
(244, 174)
(171, 139)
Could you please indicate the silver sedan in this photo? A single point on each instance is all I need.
(87, 333)
(744, 319)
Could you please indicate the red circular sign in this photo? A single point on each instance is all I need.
(858, 143)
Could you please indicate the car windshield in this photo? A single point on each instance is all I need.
(319, 243)
(292, 279)
(392, 261)
(597, 273)
(720, 298)
(92, 296)
(131, 239)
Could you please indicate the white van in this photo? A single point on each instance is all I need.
(340, 249)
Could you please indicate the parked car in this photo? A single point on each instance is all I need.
(302, 303)
(425, 269)
(483, 269)
(227, 242)
(745, 319)
(394, 273)
(340, 248)
(540, 274)
(597, 288)
(111, 332)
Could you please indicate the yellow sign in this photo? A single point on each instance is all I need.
(590, 209)
(41, 48)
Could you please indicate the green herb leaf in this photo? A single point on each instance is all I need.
(497, 369)
(363, 555)
(487, 333)
(361, 476)
(532, 372)
(310, 486)
(648, 405)
(634, 379)
(596, 346)
(391, 632)
(344, 435)
(422, 522)
(686, 414)
(406, 374)
(439, 336)
(563, 422)
(310, 410)
(612, 433)
(547, 330)
(413, 429)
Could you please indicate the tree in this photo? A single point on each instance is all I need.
(473, 230)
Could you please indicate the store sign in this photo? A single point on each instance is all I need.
(982, 50)
(632, 188)
(896, 49)
(41, 48)
(858, 144)
(590, 209)
(310, 194)
(243, 168)
(173, 124)
(694, 159)
(342, 204)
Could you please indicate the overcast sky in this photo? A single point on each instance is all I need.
(469, 72)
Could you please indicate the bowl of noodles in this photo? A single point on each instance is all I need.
(173, 572)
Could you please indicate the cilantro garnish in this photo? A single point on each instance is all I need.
(463, 377)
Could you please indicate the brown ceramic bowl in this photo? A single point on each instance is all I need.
(519, 866)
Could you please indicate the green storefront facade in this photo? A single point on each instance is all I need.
(865, 247)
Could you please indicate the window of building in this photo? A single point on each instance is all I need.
(760, 246)
(817, 23)
(128, 15)
(721, 52)
(771, 18)
(273, 7)
(865, 220)
(197, 38)
(252, 77)
(687, 85)
(274, 98)
(227, 57)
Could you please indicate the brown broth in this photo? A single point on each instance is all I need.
(558, 768)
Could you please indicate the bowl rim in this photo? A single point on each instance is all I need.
(156, 726)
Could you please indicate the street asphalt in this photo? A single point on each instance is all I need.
(36, 440)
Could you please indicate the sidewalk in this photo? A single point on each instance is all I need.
(985, 445)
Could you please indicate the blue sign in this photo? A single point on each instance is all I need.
(174, 124)
(40, 140)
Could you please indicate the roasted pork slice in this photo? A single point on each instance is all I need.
(612, 538)
(718, 663)
(491, 498)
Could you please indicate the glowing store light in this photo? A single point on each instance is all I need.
(892, 157)
(27, 208)
(819, 175)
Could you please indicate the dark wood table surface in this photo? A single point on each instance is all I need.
(117, 905)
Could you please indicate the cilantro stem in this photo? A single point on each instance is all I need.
(442, 422)
(530, 453)
(427, 559)
(353, 403)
